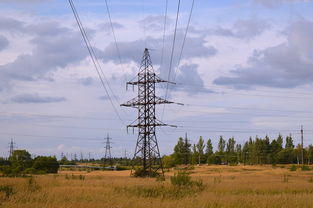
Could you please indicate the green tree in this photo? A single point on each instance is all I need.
(195, 155)
(178, 152)
(209, 149)
(289, 143)
(186, 151)
(46, 164)
(310, 154)
(21, 159)
(221, 145)
(200, 149)
(245, 153)
(221, 149)
(238, 153)
(167, 161)
(280, 141)
(297, 153)
(230, 151)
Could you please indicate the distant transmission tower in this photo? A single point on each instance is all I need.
(11, 146)
(147, 149)
(107, 155)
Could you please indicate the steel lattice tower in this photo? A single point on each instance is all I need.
(12, 145)
(107, 155)
(147, 149)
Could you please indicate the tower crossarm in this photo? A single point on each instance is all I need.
(135, 102)
(156, 80)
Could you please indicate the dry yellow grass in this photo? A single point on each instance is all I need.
(225, 186)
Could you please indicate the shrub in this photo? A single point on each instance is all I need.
(7, 190)
(46, 164)
(182, 178)
(32, 184)
(293, 168)
(305, 168)
(139, 172)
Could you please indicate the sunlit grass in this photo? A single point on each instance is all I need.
(222, 186)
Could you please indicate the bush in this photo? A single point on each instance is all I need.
(214, 159)
(7, 190)
(305, 168)
(32, 184)
(46, 164)
(293, 168)
(139, 172)
(4, 161)
(182, 178)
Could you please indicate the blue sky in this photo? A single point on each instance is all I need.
(246, 70)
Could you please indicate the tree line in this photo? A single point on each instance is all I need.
(21, 162)
(252, 152)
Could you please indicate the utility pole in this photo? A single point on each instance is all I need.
(302, 156)
(107, 156)
(125, 155)
(147, 148)
(12, 146)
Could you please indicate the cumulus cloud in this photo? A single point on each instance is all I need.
(286, 65)
(195, 47)
(55, 47)
(275, 3)
(3, 42)
(133, 50)
(25, 1)
(35, 98)
(189, 80)
(154, 22)
(87, 81)
(10, 24)
(107, 26)
(244, 29)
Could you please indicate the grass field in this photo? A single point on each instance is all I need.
(223, 186)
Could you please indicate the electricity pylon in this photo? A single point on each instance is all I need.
(107, 155)
(12, 146)
(147, 149)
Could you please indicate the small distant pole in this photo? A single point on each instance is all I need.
(302, 156)
(125, 154)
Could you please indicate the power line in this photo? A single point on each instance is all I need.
(184, 40)
(113, 32)
(164, 30)
(57, 137)
(183, 121)
(172, 54)
(208, 87)
(92, 55)
(248, 108)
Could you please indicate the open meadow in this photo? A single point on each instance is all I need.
(222, 186)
